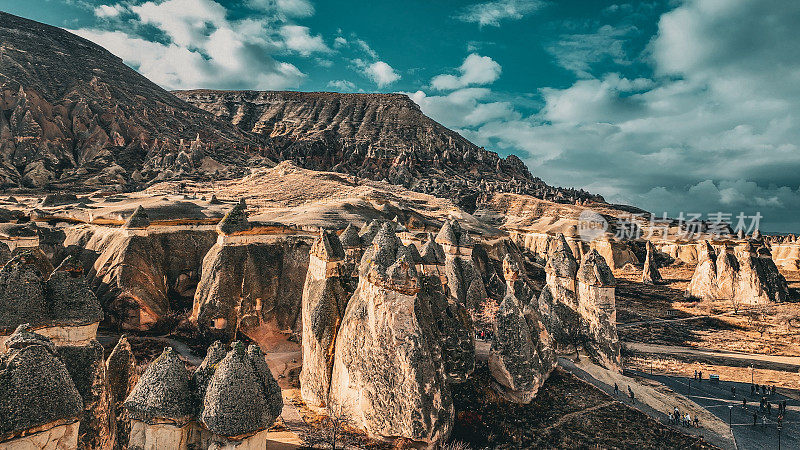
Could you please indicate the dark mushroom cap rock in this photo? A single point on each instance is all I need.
(71, 301)
(235, 221)
(328, 247)
(202, 375)
(162, 392)
(35, 386)
(370, 230)
(139, 219)
(350, 238)
(432, 253)
(57, 199)
(448, 234)
(594, 270)
(236, 401)
(22, 294)
(18, 230)
(120, 369)
(415, 256)
(271, 387)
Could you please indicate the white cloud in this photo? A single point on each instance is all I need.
(474, 70)
(299, 39)
(206, 49)
(492, 13)
(285, 8)
(578, 52)
(342, 85)
(381, 73)
(108, 11)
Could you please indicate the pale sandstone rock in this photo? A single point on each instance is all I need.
(388, 376)
(597, 308)
(520, 359)
(703, 284)
(727, 269)
(323, 305)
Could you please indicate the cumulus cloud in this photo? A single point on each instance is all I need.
(579, 52)
(474, 70)
(342, 85)
(492, 13)
(714, 128)
(299, 39)
(381, 73)
(198, 44)
(108, 11)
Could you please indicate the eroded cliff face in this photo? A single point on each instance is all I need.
(255, 288)
(139, 279)
(75, 115)
(377, 136)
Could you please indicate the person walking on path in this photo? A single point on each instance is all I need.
(616, 389)
(755, 418)
(630, 394)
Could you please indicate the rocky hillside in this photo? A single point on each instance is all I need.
(73, 114)
(377, 136)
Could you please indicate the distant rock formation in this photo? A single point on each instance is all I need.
(40, 406)
(597, 308)
(748, 276)
(650, 273)
(394, 141)
(388, 376)
(323, 306)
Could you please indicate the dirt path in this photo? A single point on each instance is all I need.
(575, 414)
(785, 362)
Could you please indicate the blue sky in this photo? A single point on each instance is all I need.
(670, 105)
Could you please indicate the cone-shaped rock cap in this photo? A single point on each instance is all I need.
(706, 251)
(120, 368)
(328, 247)
(594, 270)
(415, 256)
(72, 303)
(139, 219)
(448, 234)
(349, 237)
(202, 375)
(432, 253)
(561, 261)
(370, 230)
(236, 402)
(274, 395)
(235, 220)
(35, 387)
(22, 298)
(162, 392)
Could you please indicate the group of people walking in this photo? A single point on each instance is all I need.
(685, 420)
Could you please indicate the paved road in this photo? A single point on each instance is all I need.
(716, 397)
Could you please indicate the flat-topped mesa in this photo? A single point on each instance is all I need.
(597, 308)
(370, 369)
(650, 273)
(40, 406)
(703, 285)
(161, 405)
(242, 400)
(323, 305)
(138, 222)
(519, 360)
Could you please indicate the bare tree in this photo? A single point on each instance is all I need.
(329, 433)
